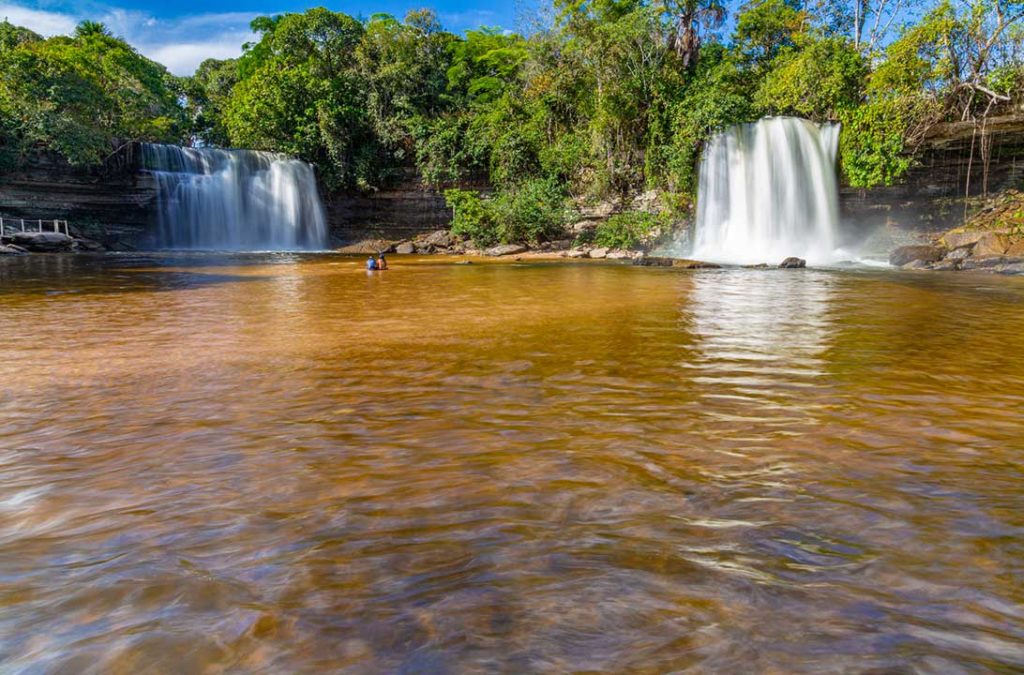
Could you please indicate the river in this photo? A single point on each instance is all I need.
(279, 463)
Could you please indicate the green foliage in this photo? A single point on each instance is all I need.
(473, 216)
(534, 212)
(630, 229)
(609, 100)
(873, 140)
(818, 81)
(767, 27)
(81, 96)
(719, 95)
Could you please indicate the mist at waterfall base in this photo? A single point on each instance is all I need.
(234, 200)
(768, 191)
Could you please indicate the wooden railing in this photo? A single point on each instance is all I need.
(32, 225)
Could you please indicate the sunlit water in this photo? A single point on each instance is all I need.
(282, 464)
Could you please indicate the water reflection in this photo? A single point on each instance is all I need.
(508, 468)
(759, 353)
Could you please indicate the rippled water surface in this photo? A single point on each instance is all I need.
(282, 464)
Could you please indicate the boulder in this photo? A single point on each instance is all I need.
(1012, 269)
(576, 253)
(600, 211)
(42, 242)
(83, 244)
(694, 264)
(560, 245)
(682, 263)
(439, 239)
(405, 248)
(584, 226)
(648, 202)
(991, 243)
(653, 261)
(988, 262)
(916, 265)
(619, 254)
(11, 250)
(759, 266)
(1016, 249)
(923, 252)
(959, 238)
(506, 249)
(944, 265)
(793, 263)
(958, 254)
(598, 253)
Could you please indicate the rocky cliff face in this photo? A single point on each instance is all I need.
(112, 204)
(115, 205)
(406, 209)
(932, 196)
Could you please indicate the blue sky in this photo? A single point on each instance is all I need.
(181, 35)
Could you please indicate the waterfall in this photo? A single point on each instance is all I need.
(240, 200)
(767, 191)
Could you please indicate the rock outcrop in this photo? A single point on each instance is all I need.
(681, 263)
(506, 249)
(924, 253)
(42, 242)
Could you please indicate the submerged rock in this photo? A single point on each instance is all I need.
(654, 261)
(793, 263)
(506, 249)
(83, 244)
(11, 250)
(945, 265)
(42, 242)
(923, 252)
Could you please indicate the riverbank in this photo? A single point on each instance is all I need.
(443, 242)
(991, 241)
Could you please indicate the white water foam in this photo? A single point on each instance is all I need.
(238, 200)
(768, 191)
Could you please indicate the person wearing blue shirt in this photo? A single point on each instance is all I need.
(371, 264)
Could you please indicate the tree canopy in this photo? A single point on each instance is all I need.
(608, 99)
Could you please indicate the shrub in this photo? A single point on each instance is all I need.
(533, 212)
(472, 216)
(627, 230)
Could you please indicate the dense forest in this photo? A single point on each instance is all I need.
(600, 100)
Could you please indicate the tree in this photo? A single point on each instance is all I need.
(691, 18)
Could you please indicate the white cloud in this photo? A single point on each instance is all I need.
(182, 58)
(42, 22)
(215, 35)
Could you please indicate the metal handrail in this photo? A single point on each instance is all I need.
(9, 224)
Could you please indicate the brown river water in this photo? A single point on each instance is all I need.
(282, 464)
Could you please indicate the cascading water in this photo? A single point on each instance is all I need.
(240, 200)
(767, 191)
